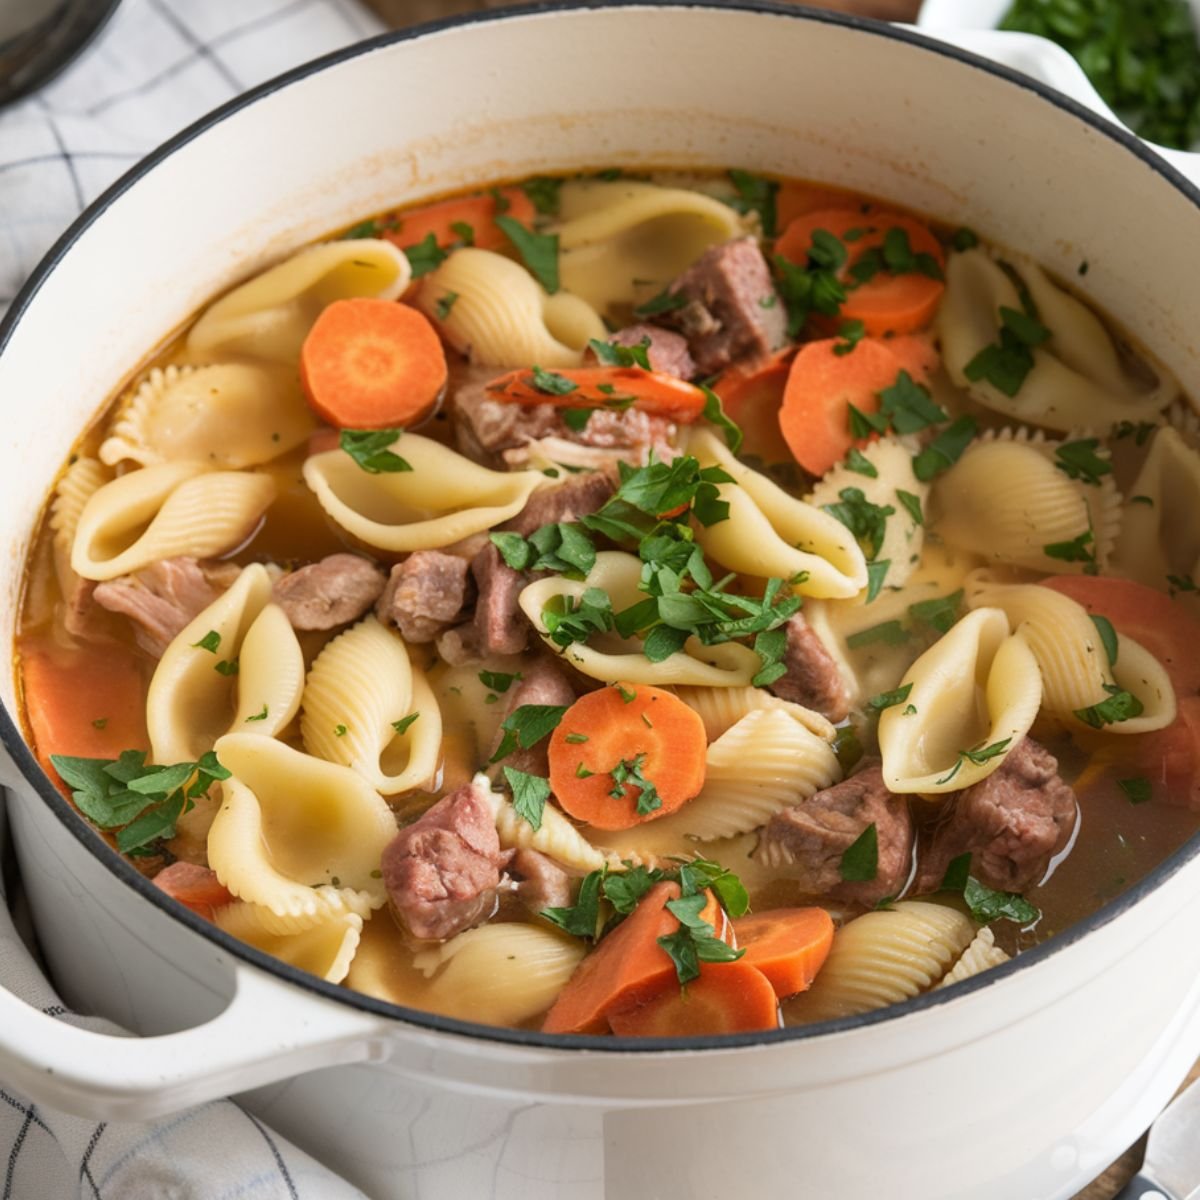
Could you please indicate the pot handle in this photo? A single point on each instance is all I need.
(1049, 63)
(268, 1032)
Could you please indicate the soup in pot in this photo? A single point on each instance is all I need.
(639, 605)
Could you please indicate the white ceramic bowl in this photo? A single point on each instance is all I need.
(1017, 1085)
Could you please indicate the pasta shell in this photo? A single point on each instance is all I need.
(499, 974)
(612, 658)
(979, 956)
(1077, 380)
(556, 838)
(190, 703)
(1070, 655)
(721, 708)
(324, 946)
(903, 538)
(502, 317)
(269, 316)
(1185, 420)
(383, 966)
(80, 481)
(442, 499)
(361, 684)
(164, 511)
(770, 534)
(229, 416)
(884, 957)
(615, 233)
(295, 834)
(977, 686)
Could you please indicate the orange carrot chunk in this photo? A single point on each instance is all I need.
(916, 354)
(788, 945)
(821, 387)
(886, 302)
(796, 197)
(641, 756)
(198, 888)
(733, 997)
(467, 219)
(751, 394)
(627, 964)
(372, 364)
(593, 387)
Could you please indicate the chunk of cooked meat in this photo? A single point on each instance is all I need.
(812, 677)
(500, 625)
(485, 426)
(335, 591)
(457, 646)
(442, 872)
(543, 683)
(668, 351)
(732, 310)
(808, 839)
(163, 597)
(541, 882)
(425, 594)
(1012, 823)
(577, 496)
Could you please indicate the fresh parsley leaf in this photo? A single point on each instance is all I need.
(1079, 460)
(576, 739)
(530, 793)
(852, 332)
(100, 723)
(808, 289)
(364, 229)
(939, 613)
(226, 667)
(860, 860)
(402, 725)
(912, 505)
(562, 547)
(865, 520)
(1108, 638)
(582, 919)
(613, 354)
(979, 755)
(539, 251)
(425, 256)
(569, 621)
(1180, 583)
(1139, 432)
(261, 715)
(964, 239)
(890, 633)
(909, 407)
(986, 904)
(211, 642)
(340, 731)
(695, 941)
(1076, 550)
(770, 646)
(945, 449)
(628, 774)
(889, 699)
(544, 192)
(1137, 790)
(499, 681)
(1141, 500)
(848, 748)
(372, 450)
(877, 570)
(526, 726)
(666, 301)
(754, 193)
(715, 415)
(551, 383)
(624, 889)
(1120, 706)
(859, 463)
(464, 231)
(514, 549)
(445, 304)
(1006, 363)
(863, 425)
(576, 419)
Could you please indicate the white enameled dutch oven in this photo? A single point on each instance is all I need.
(1018, 1085)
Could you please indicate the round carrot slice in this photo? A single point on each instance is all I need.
(788, 945)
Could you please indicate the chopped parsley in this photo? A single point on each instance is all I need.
(909, 406)
(539, 251)
(979, 755)
(550, 383)
(964, 239)
(1120, 706)
(814, 287)
(860, 860)
(1076, 550)
(912, 505)
(852, 332)
(402, 725)
(945, 449)
(425, 256)
(562, 547)
(569, 620)
(499, 681)
(340, 731)
(714, 413)
(755, 194)
(877, 570)
(613, 354)
(865, 520)
(1180, 583)
(1079, 460)
(1006, 363)
(259, 716)
(1108, 638)
(211, 642)
(986, 904)
(939, 613)
(526, 726)
(1137, 790)
(464, 232)
(1139, 432)
(530, 793)
(889, 633)
(666, 301)
(889, 699)
(226, 667)
(445, 304)
(628, 774)
(372, 450)
(544, 191)
(860, 464)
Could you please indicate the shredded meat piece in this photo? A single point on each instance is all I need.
(812, 676)
(809, 839)
(668, 351)
(500, 625)
(577, 496)
(541, 882)
(163, 597)
(329, 593)
(442, 871)
(425, 595)
(1012, 823)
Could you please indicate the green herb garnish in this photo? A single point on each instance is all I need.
(371, 450)
(860, 861)
(530, 793)
(539, 251)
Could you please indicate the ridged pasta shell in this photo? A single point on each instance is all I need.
(502, 317)
(884, 957)
(295, 834)
(499, 974)
(976, 686)
(165, 511)
(80, 481)
(611, 658)
(770, 534)
(325, 945)
(190, 703)
(903, 538)
(1162, 537)
(228, 416)
(361, 684)
(557, 838)
(1070, 655)
(721, 708)
(268, 316)
(1185, 420)
(613, 233)
(980, 955)
(443, 499)
(1077, 379)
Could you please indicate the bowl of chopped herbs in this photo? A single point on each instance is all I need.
(1142, 57)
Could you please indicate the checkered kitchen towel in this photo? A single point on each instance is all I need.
(158, 65)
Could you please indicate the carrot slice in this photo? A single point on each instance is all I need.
(885, 303)
(788, 945)
(628, 963)
(916, 354)
(797, 197)
(594, 387)
(730, 997)
(751, 394)
(821, 386)
(626, 728)
(475, 217)
(198, 888)
(87, 701)
(372, 364)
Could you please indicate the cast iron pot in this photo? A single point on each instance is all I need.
(1021, 1083)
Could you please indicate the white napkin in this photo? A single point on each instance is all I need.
(159, 65)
